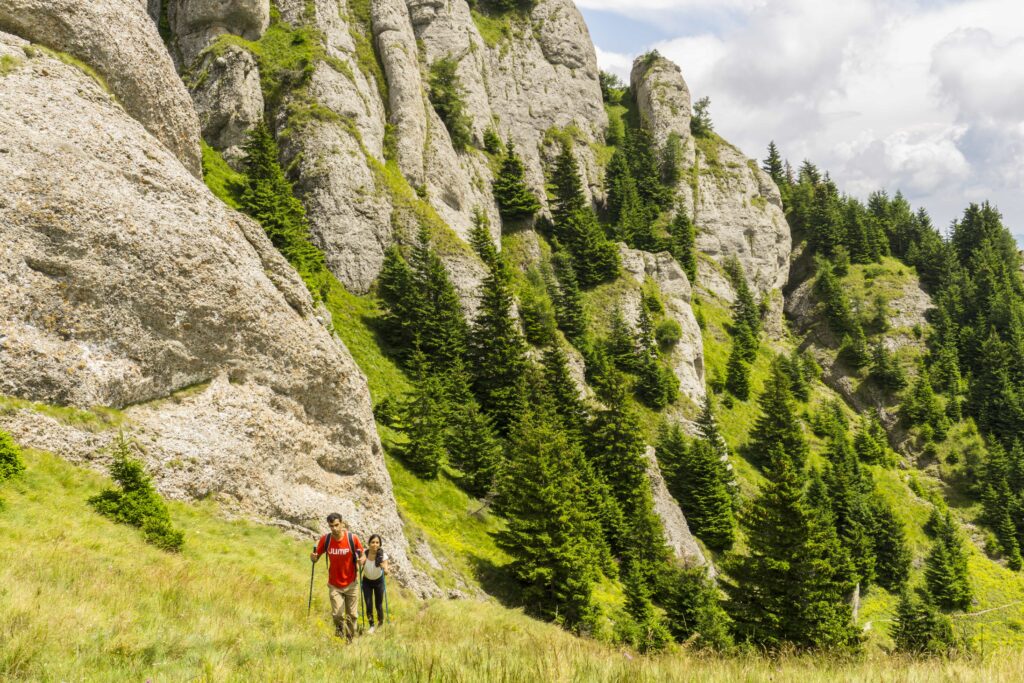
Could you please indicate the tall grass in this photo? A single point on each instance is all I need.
(85, 599)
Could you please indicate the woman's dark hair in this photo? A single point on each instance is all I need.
(334, 516)
(380, 550)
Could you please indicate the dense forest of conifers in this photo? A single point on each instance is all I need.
(494, 401)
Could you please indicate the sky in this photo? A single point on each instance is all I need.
(925, 97)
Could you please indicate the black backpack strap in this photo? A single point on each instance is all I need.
(352, 549)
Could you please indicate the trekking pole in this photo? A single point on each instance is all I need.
(362, 609)
(312, 570)
(387, 610)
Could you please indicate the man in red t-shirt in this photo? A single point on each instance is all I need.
(343, 559)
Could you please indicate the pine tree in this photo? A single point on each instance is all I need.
(497, 350)
(268, 197)
(919, 628)
(799, 374)
(11, 464)
(440, 324)
(424, 423)
(473, 447)
(704, 496)
(564, 394)
(515, 199)
(946, 570)
(682, 244)
(700, 122)
(693, 610)
(788, 589)
(621, 343)
(707, 429)
(777, 423)
(648, 634)
(575, 224)
(572, 318)
(619, 186)
(737, 373)
(553, 538)
(447, 95)
(773, 165)
(403, 301)
(886, 370)
(644, 167)
(892, 553)
(870, 441)
(657, 386)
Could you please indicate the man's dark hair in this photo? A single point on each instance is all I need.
(334, 516)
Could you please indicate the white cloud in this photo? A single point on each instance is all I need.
(615, 62)
(923, 97)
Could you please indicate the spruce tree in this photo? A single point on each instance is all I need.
(946, 571)
(790, 588)
(707, 429)
(772, 165)
(619, 186)
(497, 350)
(569, 312)
(644, 167)
(648, 633)
(424, 421)
(892, 552)
(552, 536)
(682, 244)
(564, 393)
(693, 610)
(473, 448)
(870, 441)
(268, 197)
(919, 629)
(777, 423)
(441, 326)
(515, 199)
(403, 301)
(621, 343)
(447, 95)
(737, 373)
(704, 496)
(886, 370)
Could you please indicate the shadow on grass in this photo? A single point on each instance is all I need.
(497, 581)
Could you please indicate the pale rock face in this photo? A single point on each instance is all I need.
(663, 100)
(123, 280)
(687, 356)
(736, 208)
(135, 65)
(677, 532)
(229, 101)
(396, 44)
(196, 23)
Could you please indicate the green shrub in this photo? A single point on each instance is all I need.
(668, 333)
(447, 95)
(137, 503)
(10, 457)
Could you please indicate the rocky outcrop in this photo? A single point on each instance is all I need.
(134, 64)
(197, 23)
(687, 356)
(228, 99)
(123, 281)
(734, 205)
(677, 532)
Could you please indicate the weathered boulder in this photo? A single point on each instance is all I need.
(135, 65)
(687, 356)
(228, 100)
(124, 281)
(196, 23)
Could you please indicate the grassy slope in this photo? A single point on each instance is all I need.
(83, 598)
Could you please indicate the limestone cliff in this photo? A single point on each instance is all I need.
(124, 281)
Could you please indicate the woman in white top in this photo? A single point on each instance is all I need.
(373, 580)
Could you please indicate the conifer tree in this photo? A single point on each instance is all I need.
(799, 374)
(515, 199)
(777, 423)
(788, 588)
(704, 496)
(11, 464)
(268, 197)
(946, 570)
(649, 634)
(870, 441)
(553, 538)
(919, 628)
(440, 324)
(886, 370)
(644, 167)
(891, 550)
(564, 394)
(921, 406)
(621, 343)
(682, 243)
(423, 421)
(447, 95)
(700, 122)
(671, 161)
(692, 609)
(403, 301)
(773, 165)
(473, 448)
(707, 429)
(497, 350)
(572, 319)
(737, 373)
(657, 386)
(619, 186)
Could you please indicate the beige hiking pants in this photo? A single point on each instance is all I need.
(345, 608)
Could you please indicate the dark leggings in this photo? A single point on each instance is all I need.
(373, 593)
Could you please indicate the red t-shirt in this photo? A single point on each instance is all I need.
(342, 570)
